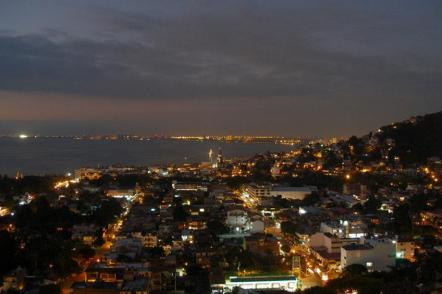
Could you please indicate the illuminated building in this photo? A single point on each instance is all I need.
(344, 228)
(406, 250)
(189, 186)
(375, 254)
(287, 283)
(87, 174)
(258, 190)
(293, 193)
(238, 221)
(211, 156)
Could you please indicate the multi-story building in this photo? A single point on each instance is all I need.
(326, 248)
(238, 220)
(87, 174)
(331, 243)
(344, 228)
(375, 254)
(286, 283)
(189, 186)
(258, 190)
(293, 193)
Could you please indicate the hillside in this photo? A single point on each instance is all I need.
(415, 139)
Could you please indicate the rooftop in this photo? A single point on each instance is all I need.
(357, 246)
(261, 278)
(136, 285)
(96, 285)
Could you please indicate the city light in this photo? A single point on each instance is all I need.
(141, 154)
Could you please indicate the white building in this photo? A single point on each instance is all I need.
(329, 242)
(293, 193)
(287, 283)
(258, 190)
(184, 186)
(120, 193)
(375, 254)
(344, 228)
(238, 220)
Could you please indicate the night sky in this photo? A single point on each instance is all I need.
(306, 68)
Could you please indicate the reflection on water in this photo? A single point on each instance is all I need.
(43, 155)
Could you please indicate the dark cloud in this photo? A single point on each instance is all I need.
(351, 55)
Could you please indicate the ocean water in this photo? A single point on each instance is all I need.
(39, 156)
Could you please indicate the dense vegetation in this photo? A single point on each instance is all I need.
(41, 239)
(415, 139)
(404, 278)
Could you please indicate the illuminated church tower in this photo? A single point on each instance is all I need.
(211, 156)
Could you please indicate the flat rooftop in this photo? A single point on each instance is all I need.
(262, 279)
(356, 246)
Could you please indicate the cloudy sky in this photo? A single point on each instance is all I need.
(308, 68)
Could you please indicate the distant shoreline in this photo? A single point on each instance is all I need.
(244, 139)
(42, 155)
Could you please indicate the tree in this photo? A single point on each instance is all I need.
(310, 199)
(402, 221)
(8, 253)
(261, 170)
(289, 228)
(318, 290)
(99, 241)
(354, 270)
(216, 227)
(109, 211)
(50, 289)
(86, 252)
(418, 202)
(156, 251)
(355, 147)
(197, 280)
(331, 160)
(372, 205)
(179, 213)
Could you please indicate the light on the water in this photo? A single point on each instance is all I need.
(23, 136)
